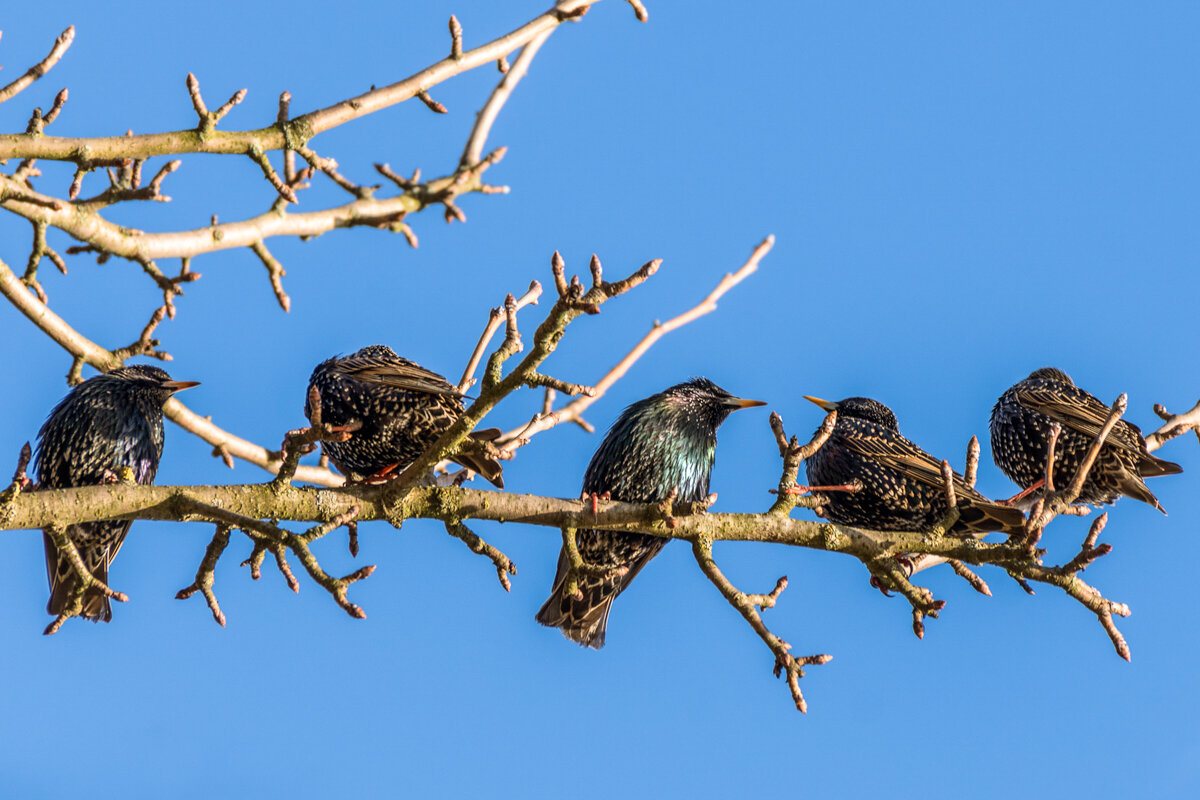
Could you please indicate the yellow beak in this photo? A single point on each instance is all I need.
(825, 404)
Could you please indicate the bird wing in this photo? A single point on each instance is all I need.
(893, 450)
(1080, 411)
(397, 372)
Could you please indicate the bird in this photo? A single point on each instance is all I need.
(105, 425)
(1020, 427)
(901, 485)
(402, 409)
(662, 444)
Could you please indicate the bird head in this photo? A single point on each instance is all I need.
(862, 408)
(375, 351)
(704, 401)
(152, 380)
(1051, 374)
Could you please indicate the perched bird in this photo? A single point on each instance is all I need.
(902, 485)
(104, 425)
(402, 409)
(663, 443)
(1021, 421)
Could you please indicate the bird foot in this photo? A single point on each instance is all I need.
(906, 563)
(123, 475)
(595, 498)
(381, 476)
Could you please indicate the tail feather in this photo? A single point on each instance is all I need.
(1152, 467)
(480, 462)
(63, 579)
(1132, 486)
(984, 516)
(583, 618)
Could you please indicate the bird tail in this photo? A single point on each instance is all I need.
(984, 516)
(63, 579)
(1132, 486)
(583, 617)
(1151, 467)
(480, 461)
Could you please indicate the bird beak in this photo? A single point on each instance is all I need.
(825, 404)
(179, 386)
(738, 402)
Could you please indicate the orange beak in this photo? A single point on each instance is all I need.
(179, 386)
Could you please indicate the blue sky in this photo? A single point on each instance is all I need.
(960, 195)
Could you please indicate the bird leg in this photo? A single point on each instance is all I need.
(595, 498)
(843, 487)
(382, 475)
(1019, 496)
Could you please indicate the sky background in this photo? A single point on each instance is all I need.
(960, 195)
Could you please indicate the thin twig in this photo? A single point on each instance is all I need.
(495, 319)
(504, 566)
(41, 68)
(487, 115)
(205, 574)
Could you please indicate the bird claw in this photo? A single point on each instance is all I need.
(381, 476)
(595, 498)
(906, 563)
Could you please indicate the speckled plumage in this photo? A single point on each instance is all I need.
(666, 441)
(1020, 426)
(902, 485)
(403, 409)
(103, 425)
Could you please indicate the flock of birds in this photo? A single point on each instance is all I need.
(112, 424)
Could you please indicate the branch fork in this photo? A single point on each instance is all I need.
(84, 579)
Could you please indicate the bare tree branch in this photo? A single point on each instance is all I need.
(298, 130)
(39, 69)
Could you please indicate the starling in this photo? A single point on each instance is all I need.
(663, 443)
(901, 485)
(104, 425)
(402, 409)
(1021, 421)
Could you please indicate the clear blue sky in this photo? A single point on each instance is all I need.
(960, 194)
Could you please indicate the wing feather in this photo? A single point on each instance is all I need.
(1081, 412)
(398, 372)
(905, 457)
